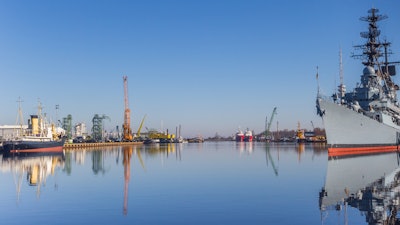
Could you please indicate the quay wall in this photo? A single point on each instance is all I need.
(99, 144)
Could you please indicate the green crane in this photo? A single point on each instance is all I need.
(267, 131)
(268, 124)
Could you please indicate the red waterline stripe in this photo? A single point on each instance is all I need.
(360, 150)
(52, 149)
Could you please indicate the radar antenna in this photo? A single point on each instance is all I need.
(371, 51)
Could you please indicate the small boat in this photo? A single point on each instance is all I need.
(179, 140)
(196, 140)
(151, 141)
(300, 134)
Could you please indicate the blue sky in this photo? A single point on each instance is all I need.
(209, 66)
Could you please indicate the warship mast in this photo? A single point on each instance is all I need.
(371, 51)
(341, 87)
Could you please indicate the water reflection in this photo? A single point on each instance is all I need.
(127, 150)
(203, 183)
(245, 147)
(165, 149)
(98, 162)
(369, 183)
(36, 168)
(270, 159)
(182, 179)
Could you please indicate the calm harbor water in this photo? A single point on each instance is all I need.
(192, 183)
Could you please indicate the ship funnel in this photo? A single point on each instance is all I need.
(34, 125)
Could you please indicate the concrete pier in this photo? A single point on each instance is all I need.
(98, 144)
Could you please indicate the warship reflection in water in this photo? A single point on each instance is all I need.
(370, 183)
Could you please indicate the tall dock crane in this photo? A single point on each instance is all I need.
(127, 135)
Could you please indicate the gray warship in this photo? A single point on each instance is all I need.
(366, 119)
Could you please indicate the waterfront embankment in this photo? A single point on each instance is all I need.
(98, 144)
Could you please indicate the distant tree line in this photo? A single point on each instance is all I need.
(276, 134)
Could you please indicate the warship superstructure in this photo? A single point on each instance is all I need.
(366, 119)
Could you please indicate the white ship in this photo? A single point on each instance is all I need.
(366, 119)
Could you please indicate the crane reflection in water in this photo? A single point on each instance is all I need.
(270, 158)
(126, 161)
(152, 149)
(127, 150)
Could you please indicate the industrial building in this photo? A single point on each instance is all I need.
(8, 132)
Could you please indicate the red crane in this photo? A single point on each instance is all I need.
(127, 135)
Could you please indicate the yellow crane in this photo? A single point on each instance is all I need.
(127, 132)
(140, 127)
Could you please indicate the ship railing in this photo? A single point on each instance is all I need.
(324, 97)
(330, 99)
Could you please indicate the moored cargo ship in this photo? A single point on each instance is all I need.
(40, 137)
(239, 137)
(248, 136)
(30, 145)
(366, 119)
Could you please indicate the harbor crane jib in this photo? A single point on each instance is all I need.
(268, 126)
(140, 127)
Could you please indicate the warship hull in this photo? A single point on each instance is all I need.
(351, 132)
